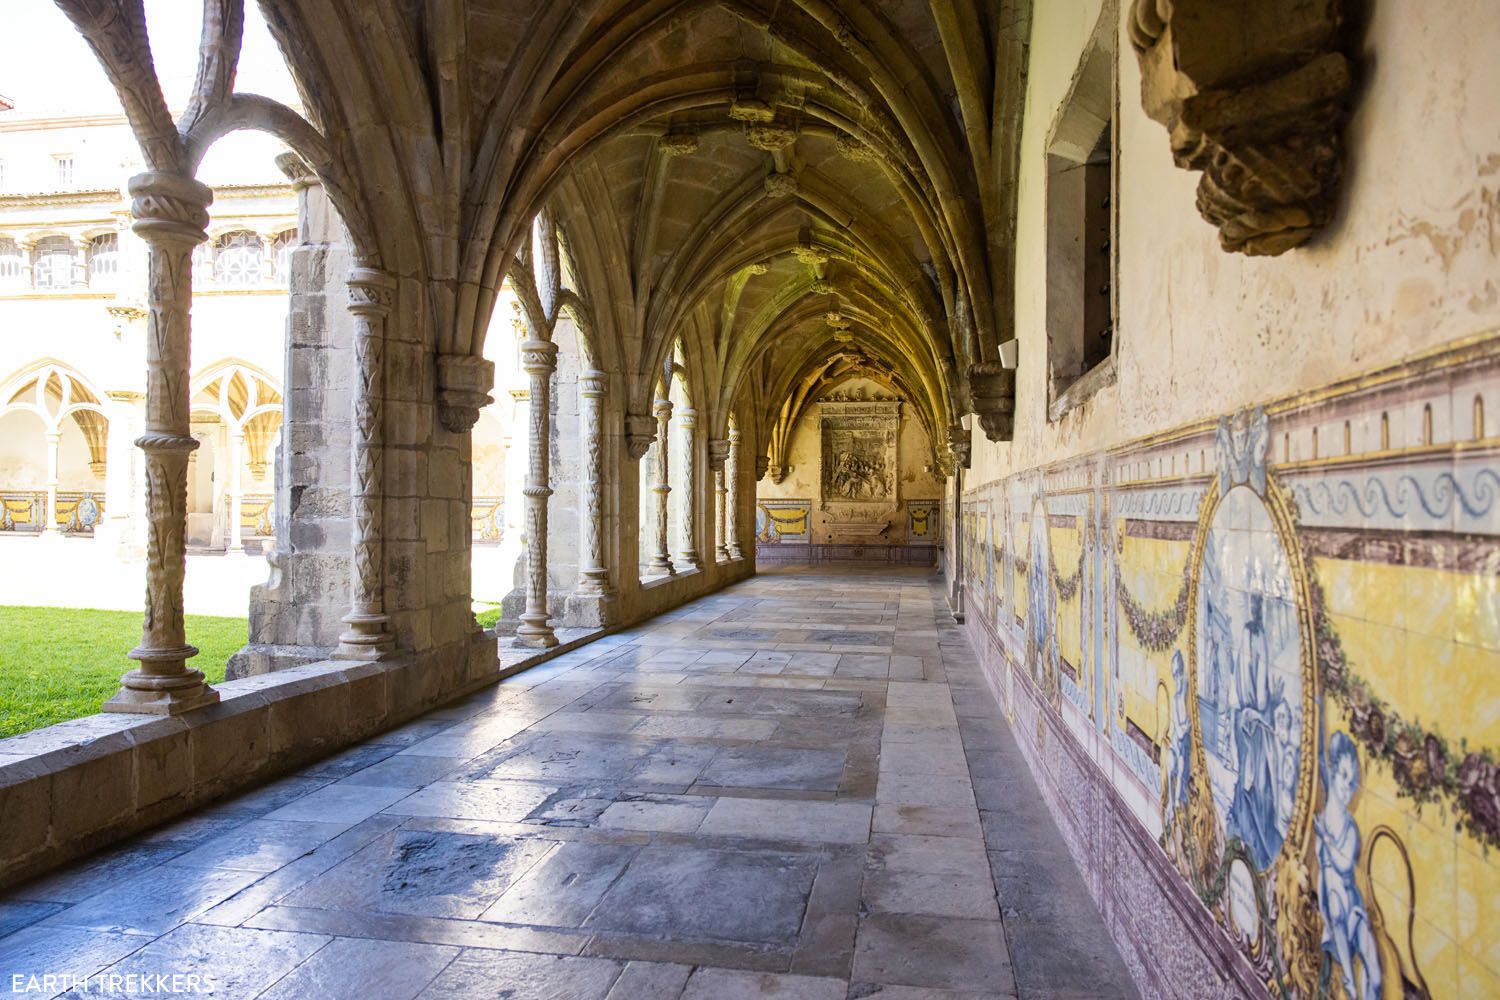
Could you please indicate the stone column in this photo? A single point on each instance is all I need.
(661, 559)
(732, 475)
(539, 361)
(718, 453)
(372, 293)
(49, 511)
(593, 576)
(236, 488)
(171, 213)
(689, 553)
(28, 263)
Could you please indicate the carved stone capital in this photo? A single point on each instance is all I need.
(662, 409)
(1261, 117)
(992, 394)
(371, 291)
(463, 385)
(762, 466)
(537, 356)
(718, 451)
(687, 417)
(640, 434)
(168, 207)
(593, 384)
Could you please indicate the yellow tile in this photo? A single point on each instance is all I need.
(1454, 689)
(1376, 654)
(1476, 980)
(1477, 912)
(1476, 610)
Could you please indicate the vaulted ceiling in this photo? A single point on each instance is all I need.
(775, 183)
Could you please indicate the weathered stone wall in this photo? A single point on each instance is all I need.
(295, 616)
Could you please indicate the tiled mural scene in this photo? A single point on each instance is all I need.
(784, 499)
(1270, 640)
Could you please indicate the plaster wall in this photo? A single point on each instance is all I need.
(1293, 481)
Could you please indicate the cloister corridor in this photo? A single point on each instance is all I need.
(800, 786)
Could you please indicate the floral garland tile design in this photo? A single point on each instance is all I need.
(1276, 635)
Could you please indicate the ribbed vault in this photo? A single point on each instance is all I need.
(770, 183)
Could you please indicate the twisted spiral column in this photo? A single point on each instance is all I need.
(689, 553)
(171, 214)
(372, 293)
(732, 475)
(593, 576)
(539, 361)
(661, 560)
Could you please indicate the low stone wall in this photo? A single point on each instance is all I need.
(74, 787)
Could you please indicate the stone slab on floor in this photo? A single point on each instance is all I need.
(770, 792)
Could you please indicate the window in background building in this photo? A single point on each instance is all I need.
(1081, 260)
(64, 170)
(282, 253)
(2, 176)
(203, 264)
(12, 264)
(52, 263)
(237, 259)
(104, 261)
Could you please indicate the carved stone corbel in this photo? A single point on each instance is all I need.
(640, 433)
(960, 445)
(1256, 97)
(463, 389)
(762, 466)
(992, 394)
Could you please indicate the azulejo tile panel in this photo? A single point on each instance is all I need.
(1277, 635)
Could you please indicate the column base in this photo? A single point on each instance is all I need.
(661, 567)
(144, 693)
(365, 639)
(689, 562)
(734, 551)
(536, 635)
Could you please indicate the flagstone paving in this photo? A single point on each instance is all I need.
(797, 788)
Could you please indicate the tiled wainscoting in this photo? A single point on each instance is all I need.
(1255, 664)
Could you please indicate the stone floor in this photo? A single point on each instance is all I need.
(796, 788)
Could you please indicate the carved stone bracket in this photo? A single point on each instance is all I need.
(464, 384)
(762, 466)
(1256, 97)
(640, 433)
(960, 444)
(992, 394)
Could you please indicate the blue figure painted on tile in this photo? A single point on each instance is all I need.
(1347, 935)
(1041, 601)
(1179, 762)
(1250, 676)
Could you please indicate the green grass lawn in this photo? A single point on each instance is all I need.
(60, 663)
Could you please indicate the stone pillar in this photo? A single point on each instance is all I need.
(371, 295)
(689, 553)
(593, 575)
(171, 213)
(49, 513)
(28, 263)
(732, 475)
(539, 361)
(661, 558)
(718, 453)
(232, 542)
